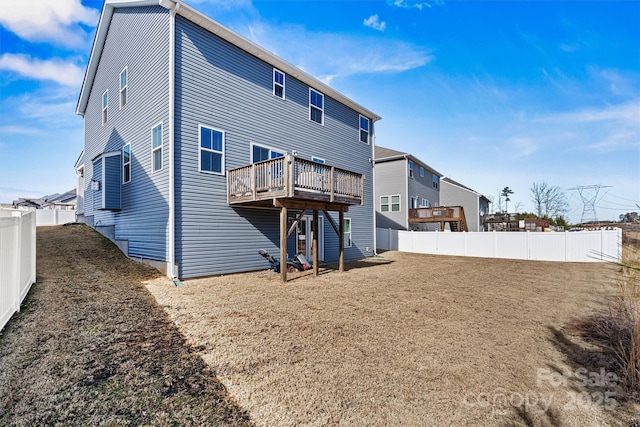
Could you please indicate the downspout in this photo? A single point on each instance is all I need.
(173, 8)
(406, 192)
(373, 191)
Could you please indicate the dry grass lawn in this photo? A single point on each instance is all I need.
(405, 339)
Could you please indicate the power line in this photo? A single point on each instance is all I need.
(589, 195)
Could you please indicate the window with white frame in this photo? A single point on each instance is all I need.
(414, 203)
(278, 83)
(347, 233)
(411, 168)
(425, 203)
(421, 172)
(123, 87)
(364, 129)
(126, 163)
(436, 181)
(316, 106)
(390, 203)
(156, 147)
(211, 150)
(105, 106)
(260, 153)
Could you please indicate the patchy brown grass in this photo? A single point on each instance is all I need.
(405, 339)
(92, 347)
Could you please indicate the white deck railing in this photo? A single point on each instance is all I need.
(17, 259)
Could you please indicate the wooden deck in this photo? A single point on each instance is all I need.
(453, 215)
(263, 184)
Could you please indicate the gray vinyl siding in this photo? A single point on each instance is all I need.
(391, 180)
(453, 195)
(138, 38)
(112, 182)
(221, 86)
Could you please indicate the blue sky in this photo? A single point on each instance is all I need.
(489, 93)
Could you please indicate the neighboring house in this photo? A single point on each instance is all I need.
(402, 182)
(63, 202)
(202, 148)
(475, 205)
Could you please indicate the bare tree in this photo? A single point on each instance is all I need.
(549, 201)
(517, 207)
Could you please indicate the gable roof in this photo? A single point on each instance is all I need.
(214, 27)
(382, 154)
(450, 181)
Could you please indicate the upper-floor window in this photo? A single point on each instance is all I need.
(156, 147)
(364, 130)
(126, 163)
(105, 106)
(421, 172)
(390, 203)
(260, 153)
(211, 150)
(278, 83)
(411, 168)
(436, 181)
(123, 87)
(316, 106)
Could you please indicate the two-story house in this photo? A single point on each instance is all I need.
(403, 182)
(202, 148)
(475, 205)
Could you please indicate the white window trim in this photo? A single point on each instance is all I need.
(413, 204)
(126, 86)
(388, 204)
(105, 107)
(423, 204)
(160, 147)
(435, 181)
(313, 106)
(361, 129)
(318, 160)
(391, 202)
(421, 172)
(410, 163)
(271, 149)
(284, 81)
(124, 164)
(224, 143)
(350, 232)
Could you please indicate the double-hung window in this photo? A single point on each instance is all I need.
(347, 233)
(364, 129)
(105, 106)
(421, 172)
(411, 168)
(156, 147)
(123, 87)
(436, 181)
(316, 106)
(211, 150)
(390, 203)
(278, 83)
(126, 163)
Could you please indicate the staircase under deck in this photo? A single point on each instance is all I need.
(452, 215)
(290, 182)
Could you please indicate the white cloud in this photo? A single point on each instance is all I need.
(20, 130)
(416, 4)
(58, 22)
(374, 22)
(62, 72)
(339, 55)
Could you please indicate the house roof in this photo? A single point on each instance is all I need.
(214, 27)
(383, 154)
(451, 181)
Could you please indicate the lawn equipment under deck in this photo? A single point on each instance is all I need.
(297, 262)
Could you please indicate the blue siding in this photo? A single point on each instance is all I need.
(112, 183)
(138, 38)
(221, 86)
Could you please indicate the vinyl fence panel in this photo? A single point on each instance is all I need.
(582, 246)
(17, 260)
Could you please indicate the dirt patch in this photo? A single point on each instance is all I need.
(92, 347)
(405, 339)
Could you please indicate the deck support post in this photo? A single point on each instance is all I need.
(314, 247)
(341, 240)
(283, 243)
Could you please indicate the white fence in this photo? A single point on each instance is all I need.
(17, 259)
(580, 246)
(54, 217)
